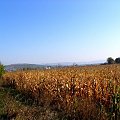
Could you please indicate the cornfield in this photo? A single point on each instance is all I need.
(86, 92)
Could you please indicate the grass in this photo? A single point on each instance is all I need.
(2, 99)
(6, 112)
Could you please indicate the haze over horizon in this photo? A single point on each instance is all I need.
(50, 31)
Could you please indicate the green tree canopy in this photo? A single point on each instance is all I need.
(117, 60)
(1, 70)
(110, 60)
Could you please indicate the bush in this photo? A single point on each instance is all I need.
(2, 71)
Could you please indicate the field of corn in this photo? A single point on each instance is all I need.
(76, 93)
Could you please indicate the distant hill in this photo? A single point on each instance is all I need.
(78, 63)
(14, 67)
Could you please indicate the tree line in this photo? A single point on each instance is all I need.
(110, 60)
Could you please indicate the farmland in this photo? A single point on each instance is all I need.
(73, 93)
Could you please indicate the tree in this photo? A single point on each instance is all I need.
(110, 60)
(117, 60)
(2, 71)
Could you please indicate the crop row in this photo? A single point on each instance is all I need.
(74, 90)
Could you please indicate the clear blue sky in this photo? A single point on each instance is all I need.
(51, 31)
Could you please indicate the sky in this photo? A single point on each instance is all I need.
(53, 31)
